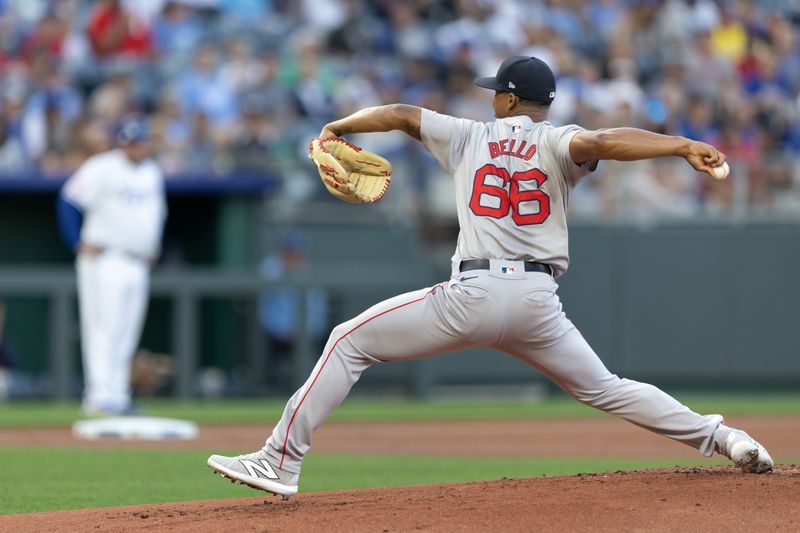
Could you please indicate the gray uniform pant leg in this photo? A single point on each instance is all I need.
(572, 364)
(522, 318)
(414, 325)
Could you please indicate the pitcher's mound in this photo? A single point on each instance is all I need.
(679, 499)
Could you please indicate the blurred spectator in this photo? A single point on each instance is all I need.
(253, 137)
(152, 374)
(21, 132)
(113, 98)
(656, 189)
(115, 31)
(310, 80)
(324, 15)
(171, 133)
(201, 153)
(705, 73)
(724, 72)
(698, 123)
(176, 32)
(729, 38)
(46, 38)
(279, 308)
(246, 11)
(204, 89)
(241, 69)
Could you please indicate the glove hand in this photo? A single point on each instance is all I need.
(350, 173)
(327, 134)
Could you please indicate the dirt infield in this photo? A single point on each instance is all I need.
(597, 437)
(691, 499)
(679, 499)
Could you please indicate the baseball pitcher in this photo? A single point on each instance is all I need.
(513, 179)
(111, 214)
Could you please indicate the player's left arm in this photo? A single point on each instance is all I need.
(70, 221)
(633, 144)
(403, 117)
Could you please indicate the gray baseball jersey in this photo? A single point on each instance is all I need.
(513, 179)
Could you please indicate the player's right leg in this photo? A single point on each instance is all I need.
(414, 325)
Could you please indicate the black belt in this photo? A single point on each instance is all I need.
(483, 264)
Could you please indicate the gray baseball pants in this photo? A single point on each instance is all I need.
(504, 308)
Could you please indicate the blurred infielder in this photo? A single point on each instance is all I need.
(513, 179)
(111, 214)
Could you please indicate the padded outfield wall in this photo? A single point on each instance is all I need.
(695, 305)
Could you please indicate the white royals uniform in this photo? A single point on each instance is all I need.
(124, 210)
(513, 179)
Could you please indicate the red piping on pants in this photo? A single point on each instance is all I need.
(289, 427)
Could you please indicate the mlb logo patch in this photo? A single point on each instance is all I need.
(516, 127)
(508, 270)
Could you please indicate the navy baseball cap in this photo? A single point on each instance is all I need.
(527, 77)
(130, 130)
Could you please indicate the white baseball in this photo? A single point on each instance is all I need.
(721, 172)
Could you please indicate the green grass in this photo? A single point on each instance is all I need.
(28, 414)
(50, 480)
(41, 479)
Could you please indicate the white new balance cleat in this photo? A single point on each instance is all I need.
(746, 453)
(256, 470)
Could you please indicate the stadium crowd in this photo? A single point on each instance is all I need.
(237, 86)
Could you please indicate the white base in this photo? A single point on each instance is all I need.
(135, 428)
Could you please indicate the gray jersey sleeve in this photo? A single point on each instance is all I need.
(445, 137)
(558, 140)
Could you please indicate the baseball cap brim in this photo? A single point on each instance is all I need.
(490, 83)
